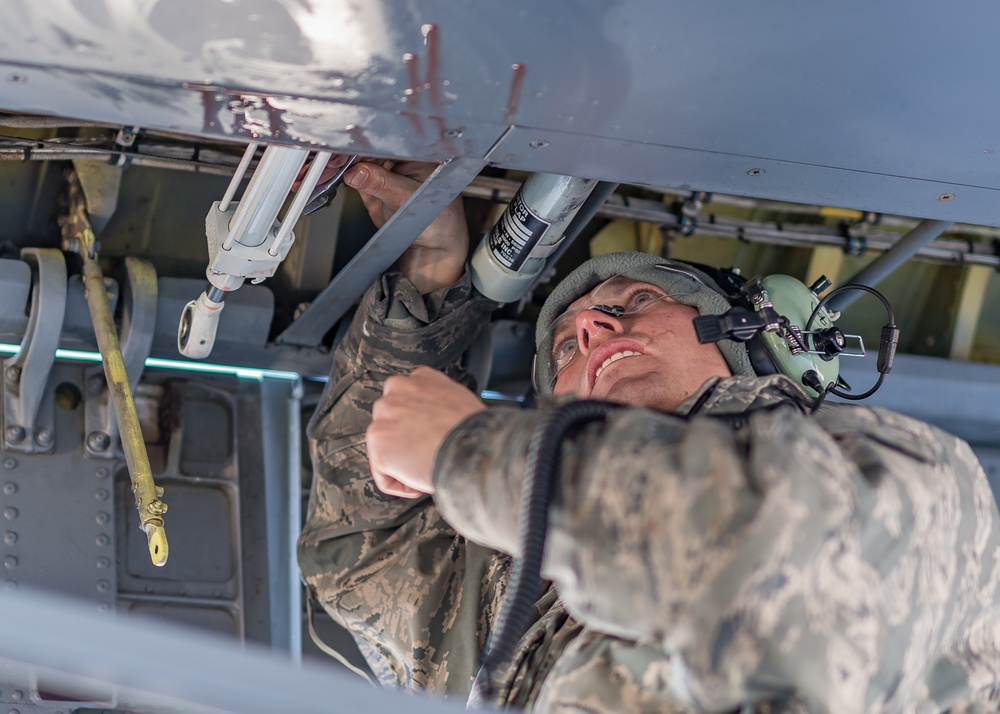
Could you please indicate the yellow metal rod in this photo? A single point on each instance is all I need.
(147, 493)
(147, 501)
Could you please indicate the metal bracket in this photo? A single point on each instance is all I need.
(101, 184)
(28, 424)
(138, 323)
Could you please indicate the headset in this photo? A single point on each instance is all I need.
(789, 330)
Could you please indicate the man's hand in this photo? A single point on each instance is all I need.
(437, 257)
(409, 423)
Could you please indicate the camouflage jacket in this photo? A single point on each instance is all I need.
(750, 557)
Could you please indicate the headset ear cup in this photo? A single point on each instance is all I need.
(760, 357)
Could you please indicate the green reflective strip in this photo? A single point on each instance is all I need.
(157, 363)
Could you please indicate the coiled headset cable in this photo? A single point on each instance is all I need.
(888, 341)
(542, 464)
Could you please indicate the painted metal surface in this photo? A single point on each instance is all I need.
(57, 513)
(65, 640)
(873, 106)
(282, 431)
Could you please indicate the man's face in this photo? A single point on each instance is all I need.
(647, 357)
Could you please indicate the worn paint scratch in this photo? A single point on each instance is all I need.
(514, 98)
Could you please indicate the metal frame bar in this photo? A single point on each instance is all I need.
(281, 428)
(907, 246)
(441, 188)
(162, 666)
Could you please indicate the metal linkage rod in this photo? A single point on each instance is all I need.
(241, 170)
(904, 249)
(77, 232)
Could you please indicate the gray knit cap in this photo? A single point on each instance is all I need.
(699, 292)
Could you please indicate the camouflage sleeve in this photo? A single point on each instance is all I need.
(850, 558)
(391, 570)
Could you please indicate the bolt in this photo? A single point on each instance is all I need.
(15, 434)
(44, 437)
(10, 538)
(103, 518)
(538, 144)
(103, 562)
(102, 473)
(10, 562)
(756, 172)
(102, 586)
(13, 374)
(9, 489)
(9, 463)
(102, 540)
(10, 513)
(101, 494)
(98, 441)
(946, 196)
(452, 133)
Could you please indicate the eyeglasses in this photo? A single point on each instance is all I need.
(618, 297)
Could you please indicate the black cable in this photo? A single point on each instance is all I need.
(858, 397)
(887, 348)
(843, 289)
(541, 465)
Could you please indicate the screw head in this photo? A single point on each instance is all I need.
(98, 441)
(17, 78)
(44, 437)
(10, 562)
(101, 494)
(10, 513)
(946, 196)
(15, 434)
(9, 463)
(12, 374)
(103, 562)
(9, 489)
(102, 586)
(102, 540)
(538, 144)
(103, 519)
(452, 133)
(10, 538)
(102, 473)
(756, 172)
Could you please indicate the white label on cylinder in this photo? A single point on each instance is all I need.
(515, 234)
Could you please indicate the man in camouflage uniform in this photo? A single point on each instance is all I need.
(722, 549)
